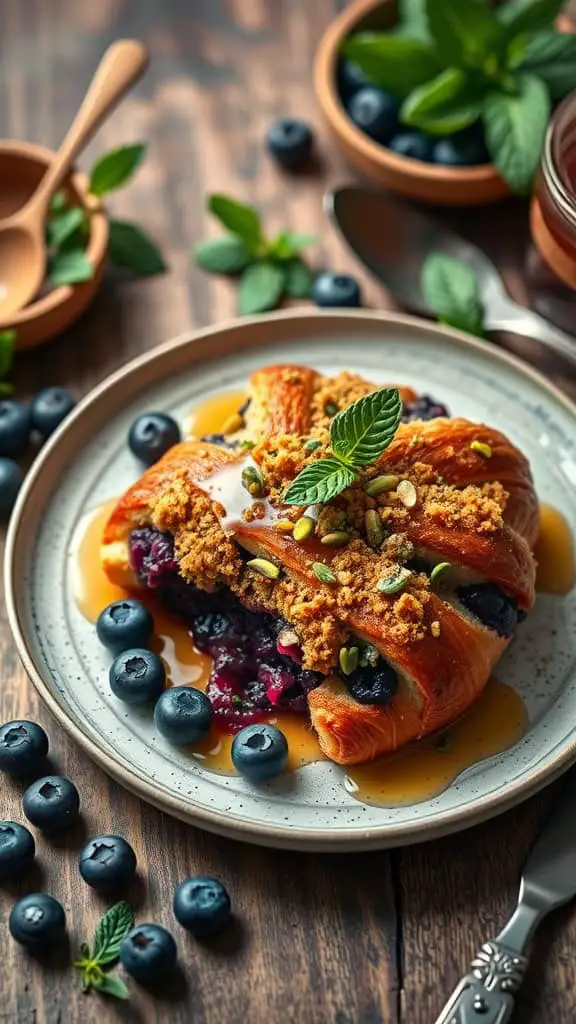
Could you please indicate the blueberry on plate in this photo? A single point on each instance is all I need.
(17, 848)
(37, 920)
(289, 141)
(107, 863)
(15, 425)
(373, 685)
(334, 290)
(350, 78)
(11, 480)
(51, 803)
(49, 408)
(125, 624)
(202, 905)
(151, 435)
(23, 747)
(375, 112)
(148, 952)
(259, 751)
(137, 676)
(413, 144)
(454, 152)
(183, 715)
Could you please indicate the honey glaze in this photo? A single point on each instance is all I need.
(208, 417)
(554, 553)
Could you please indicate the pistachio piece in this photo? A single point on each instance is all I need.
(330, 408)
(438, 570)
(407, 493)
(323, 573)
(348, 658)
(284, 526)
(264, 568)
(312, 445)
(247, 446)
(303, 528)
(336, 539)
(233, 423)
(252, 480)
(380, 484)
(482, 448)
(395, 581)
(374, 528)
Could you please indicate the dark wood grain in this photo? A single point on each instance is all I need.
(333, 940)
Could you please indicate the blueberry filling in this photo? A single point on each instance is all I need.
(373, 685)
(492, 606)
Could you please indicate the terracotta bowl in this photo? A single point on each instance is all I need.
(22, 164)
(431, 183)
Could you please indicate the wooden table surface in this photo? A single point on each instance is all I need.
(362, 939)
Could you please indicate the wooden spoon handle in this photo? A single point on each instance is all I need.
(120, 67)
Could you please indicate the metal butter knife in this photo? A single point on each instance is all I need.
(486, 994)
(393, 239)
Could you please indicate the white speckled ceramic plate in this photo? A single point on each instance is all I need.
(88, 461)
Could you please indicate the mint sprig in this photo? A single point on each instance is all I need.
(7, 345)
(358, 436)
(451, 291)
(268, 268)
(110, 933)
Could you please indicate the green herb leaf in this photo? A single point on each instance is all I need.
(360, 433)
(464, 33)
(70, 267)
(225, 255)
(111, 985)
(443, 106)
(287, 245)
(552, 57)
(240, 219)
(298, 242)
(111, 931)
(58, 201)
(395, 63)
(319, 482)
(115, 168)
(515, 127)
(298, 279)
(61, 227)
(413, 19)
(527, 15)
(7, 343)
(261, 287)
(84, 950)
(132, 249)
(451, 290)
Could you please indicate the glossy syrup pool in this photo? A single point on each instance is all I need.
(494, 724)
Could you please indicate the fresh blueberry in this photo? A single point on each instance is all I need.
(375, 112)
(334, 290)
(412, 144)
(124, 624)
(107, 863)
(201, 905)
(491, 605)
(37, 920)
(137, 676)
(350, 78)
(423, 408)
(17, 848)
(15, 425)
(289, 140)
(49, 408)
(458, 152)
(373, 685)
(51, 803)
(151, 435)
(11, 479)
(259, 751)
(183, 715)
(23, 747)
(148, 952)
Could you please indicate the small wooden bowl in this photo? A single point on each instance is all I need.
(455, 186)
(22, 165)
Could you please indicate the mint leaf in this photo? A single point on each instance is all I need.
(360, 433)
(240, 219)
(413, 19)
(527, 15)
(115, 168)
(111, 931)
(444, 105)
(7, 343)
(225, 255)
(61, 227)
(395, 63)
(111, 985)
(319, 482)
(130, 248)
(515, 127)
(261, 287)
(464, 33)
(298, 279)
(58, 201)
(552, 57)
(70, 267)
(298, 242)
(451, 290)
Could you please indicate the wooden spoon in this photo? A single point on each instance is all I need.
(22, 245)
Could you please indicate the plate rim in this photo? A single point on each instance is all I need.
(338, 839)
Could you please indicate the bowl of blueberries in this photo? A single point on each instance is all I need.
(453, 169)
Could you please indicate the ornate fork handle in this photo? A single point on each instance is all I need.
(486, 995)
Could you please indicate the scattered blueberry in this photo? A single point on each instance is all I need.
(202, 905)
(454, 152)
(107, 863)
(412, 144)
(15, 425)
(49, 408)
(259, 751)
(183, 715)
(334, 290)
(373, 685)
(137, 676)
(37, 920)
(289, 140)
(23, 747)
(375, 112)
(151, 435)
(491, 605)
(423, 408)
(350, 78)
(124, 624)
(148, 952)
(11, 479)
(51, 803)
(17, 848)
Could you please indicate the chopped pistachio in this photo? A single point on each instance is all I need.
(323, 573)
(252, 480)
(438, 570)
(395, 581)
(284, 526)
(348, 658)
(303, 528)
(233, 423)
(312, 445)
(407, 493)
(482, 448)
(336, 539)
(330, 408)
(236, 699)
(264, 568)
(374, 528)
(247, 446)
(380, 484)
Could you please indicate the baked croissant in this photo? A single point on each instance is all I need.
(421, 583)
